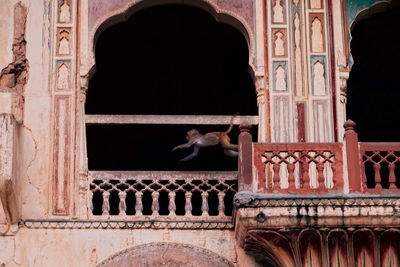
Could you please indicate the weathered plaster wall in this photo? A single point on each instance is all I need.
(32, 111)
(76, 247)
(34, 138)
(6, 28)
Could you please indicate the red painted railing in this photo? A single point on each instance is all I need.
(372, 167)
(380, 165)
(302, 168)
(299, 168)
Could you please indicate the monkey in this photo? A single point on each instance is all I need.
(209, 139)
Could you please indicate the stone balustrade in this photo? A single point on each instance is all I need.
(380, 166)
(193, 196)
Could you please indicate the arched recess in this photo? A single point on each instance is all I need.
(373, 91)
(166, 60)
(390, 248)
(310, 244)
(338, 241)
(270, 249)
(363, 248)
(166, 254)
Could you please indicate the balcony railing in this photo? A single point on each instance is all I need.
(166, 196)
(380, 165)
(298, 168)
(317, 168)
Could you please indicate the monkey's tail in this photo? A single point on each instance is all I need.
(231, 123)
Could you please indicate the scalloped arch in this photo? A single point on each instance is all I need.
(221, 15)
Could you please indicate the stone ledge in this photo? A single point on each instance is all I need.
(89, 224)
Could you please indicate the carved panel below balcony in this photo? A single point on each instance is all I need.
(298, 230)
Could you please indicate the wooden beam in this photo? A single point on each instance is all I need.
(169, 119)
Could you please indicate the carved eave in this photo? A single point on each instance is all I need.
(266, 212)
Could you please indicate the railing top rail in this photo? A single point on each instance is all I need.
(169, 119)
(163, 175)
(297, 146)
(384, 146)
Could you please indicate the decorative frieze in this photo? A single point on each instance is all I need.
(125, 224)
(63, 95)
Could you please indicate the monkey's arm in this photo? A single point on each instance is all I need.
(185, 145)
(230, 153)
(194, 154)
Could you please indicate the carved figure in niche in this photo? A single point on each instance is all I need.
(280, 79)
(63, 77)
(279, 45)
(317, 39)
(65, 15)
(315, 4)
(319, 79)
(297, 55)
(278, 12)
(63, 47)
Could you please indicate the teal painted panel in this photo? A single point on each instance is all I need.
(352, 9)
(353, 6)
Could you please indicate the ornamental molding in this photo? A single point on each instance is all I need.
(121, 224)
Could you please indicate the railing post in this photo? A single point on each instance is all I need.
(245, 159)
(353, 156)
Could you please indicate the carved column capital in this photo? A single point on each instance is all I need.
(260, 89)
(84, 82)
(343, 76)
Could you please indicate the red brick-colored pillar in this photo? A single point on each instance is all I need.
(245, 159)
(353, 156)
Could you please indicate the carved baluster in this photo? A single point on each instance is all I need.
(171, 205)
(155, 206)
(291, 179)
(306, 176)
(321, 178)
(276, 179)
(204, 203)
(188, 203)
(392, 176)
(91, 193)
(122, 203)
(377, 169)
(106, 203)
(221, 204)
(333, 167)
(139, 204)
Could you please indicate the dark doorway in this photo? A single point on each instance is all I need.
(373, 88)
(166, 60)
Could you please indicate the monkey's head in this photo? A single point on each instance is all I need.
(190, 133)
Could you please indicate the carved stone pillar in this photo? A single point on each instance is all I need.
(83, 161)
(262, 108)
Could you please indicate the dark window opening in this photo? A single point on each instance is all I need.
(149, 147)
(166, 60)
(373, 88)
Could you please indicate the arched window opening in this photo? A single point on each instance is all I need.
(162, 63)
(373, 88)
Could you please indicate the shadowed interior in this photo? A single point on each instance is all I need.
(166, 60)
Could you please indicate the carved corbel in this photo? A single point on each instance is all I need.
(344, 71)
(260, 89)
(343, 76)
(84, 81)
